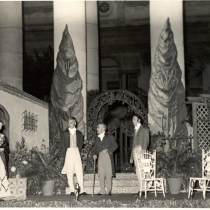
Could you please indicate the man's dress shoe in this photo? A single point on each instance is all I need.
(109, 194)
(72, 193)
(83, 194)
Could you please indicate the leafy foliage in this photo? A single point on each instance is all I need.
(37, 165)
(179, 162)
(157, 142)
(91, 95)
(18, 159)
(87, 156)
(46, 164)
(43, 163)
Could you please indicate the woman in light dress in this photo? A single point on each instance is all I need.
(4, 183)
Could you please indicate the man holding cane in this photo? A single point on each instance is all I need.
(105, 145)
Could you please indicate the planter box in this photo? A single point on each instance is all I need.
(18, 188)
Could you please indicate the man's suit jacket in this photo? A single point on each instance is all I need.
(141, 138)
(108, 143)
(66, 140)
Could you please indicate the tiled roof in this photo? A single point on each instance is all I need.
(19, 93)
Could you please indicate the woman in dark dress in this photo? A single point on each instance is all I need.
(4, 152)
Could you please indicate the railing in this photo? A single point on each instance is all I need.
(174, 141)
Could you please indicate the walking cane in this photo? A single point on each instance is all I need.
(94, 169)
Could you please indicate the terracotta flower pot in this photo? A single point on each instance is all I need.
(174, 185)
(48, 187)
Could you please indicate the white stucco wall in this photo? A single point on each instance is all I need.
(15, 106)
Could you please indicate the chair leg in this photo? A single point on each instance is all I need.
(164, 184)
(145, 189)
(204, 193)
(204, 190)
(191, 189)
(189, 192)
(140, 192)
(163, 188)
(155, 188)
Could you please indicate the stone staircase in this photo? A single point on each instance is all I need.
(123, 183)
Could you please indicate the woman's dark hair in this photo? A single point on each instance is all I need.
(2, 126)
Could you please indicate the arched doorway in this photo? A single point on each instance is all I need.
(4, 117)
(130, 103)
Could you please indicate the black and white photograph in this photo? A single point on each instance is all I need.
(105, 104)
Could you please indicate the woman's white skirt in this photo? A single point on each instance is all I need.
(4, 183)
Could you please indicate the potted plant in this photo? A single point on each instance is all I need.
(18, 159)
(43, 167)
(177, 165)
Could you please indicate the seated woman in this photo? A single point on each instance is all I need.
(4, 183)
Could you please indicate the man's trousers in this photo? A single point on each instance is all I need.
(73, 165)
(138, 149)
(105, 172)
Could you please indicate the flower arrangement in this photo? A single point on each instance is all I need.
(18, 159)
(46, 164)
(37, 165)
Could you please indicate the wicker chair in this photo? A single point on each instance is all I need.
(203, 182)
(147, 173)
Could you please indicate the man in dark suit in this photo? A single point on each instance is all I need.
(105, 145)
(72, 142)
(140, 140)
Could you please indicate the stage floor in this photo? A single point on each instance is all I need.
(116, 197)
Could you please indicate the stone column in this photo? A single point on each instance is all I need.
(159, 12)
(92, 45)
(11, 45)
(72, 13)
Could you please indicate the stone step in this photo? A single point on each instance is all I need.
(115, 190)
(115, 183)
(121, 176)
(123, 183)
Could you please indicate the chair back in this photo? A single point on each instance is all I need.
(206, 164)
(147, 164)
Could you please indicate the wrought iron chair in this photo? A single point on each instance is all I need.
(203, 181)
(147, 173)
